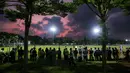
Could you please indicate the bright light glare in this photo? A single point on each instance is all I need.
(96, 30)
(53, 29)
(126, 40)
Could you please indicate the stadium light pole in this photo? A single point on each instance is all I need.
(53, 29)
(96, 31)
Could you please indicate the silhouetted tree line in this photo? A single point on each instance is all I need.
(6, 38)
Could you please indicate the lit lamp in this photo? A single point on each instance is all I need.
(53, 29)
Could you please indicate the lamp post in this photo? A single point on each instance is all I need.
(53, 29)
(97, 32)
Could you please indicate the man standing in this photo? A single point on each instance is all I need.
(71, 59)
(20, 53)
(109, 54)
(95, 54)
(75, 53)
(12, 55)
(85, 54)
(91, 54)
(53, 57)
(59, 54)
(80, 55)
(34, 54)
(66, 53)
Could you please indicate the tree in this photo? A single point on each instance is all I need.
(126, 6)
(2, 5)
(25, 10)
(101, 9)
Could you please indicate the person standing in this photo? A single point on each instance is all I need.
(47, 52)
(71, 59)
(95, 54)
(34, 54)
(59, 53)
(12, 55)
(91, 54)
(85, 54)
(116, 54)
(99, 53)
(2, 56)
(53, 57)
(42, 54)
(20, 53)
(66, 53)
(109, 54)
(127, 54)
(39, 52)
(75, 53)
(31, 54)
(50, 56)
(80, 55)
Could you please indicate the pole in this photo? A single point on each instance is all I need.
(53, 37)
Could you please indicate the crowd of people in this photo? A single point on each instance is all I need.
(70, 55)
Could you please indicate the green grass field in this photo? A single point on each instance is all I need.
(90, 67)
(6, 49)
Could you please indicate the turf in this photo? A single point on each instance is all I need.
(63, 46)
(7, 49)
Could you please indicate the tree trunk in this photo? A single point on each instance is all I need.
(27, 26)
(26, 49)
(104, 43)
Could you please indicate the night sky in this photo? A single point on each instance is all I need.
(78, 24)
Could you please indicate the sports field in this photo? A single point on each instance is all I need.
(6, 49)
(90, 67)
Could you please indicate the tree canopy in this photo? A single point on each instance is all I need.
(102, 7)
(40, 7)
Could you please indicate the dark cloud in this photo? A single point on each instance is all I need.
(85, 20)
(37, 26)
(119, 25)
(54, 21)
(82, 23)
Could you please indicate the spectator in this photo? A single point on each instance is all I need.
(85, 54)
(59, 54)
(53, 57)
(95, 54)
(109, 54)
(66, 53)
(99, 54)
(31, 54)
(71, 59)
(20, 53)
(2, 56)
(39, 52)
(75, 53)
(42, 54)
(91, 54)
(34, 54)
(80, 55)
(47, 52)
(116, 54)
(12, 55)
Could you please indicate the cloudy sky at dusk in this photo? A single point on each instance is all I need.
(74, 25)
